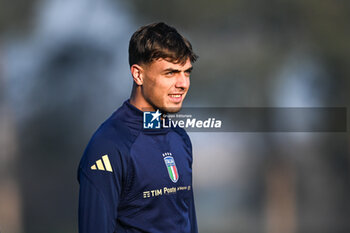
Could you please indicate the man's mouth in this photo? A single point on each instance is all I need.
(175, 98)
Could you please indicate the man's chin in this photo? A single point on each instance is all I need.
(172, 109)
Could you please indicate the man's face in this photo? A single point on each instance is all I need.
(165, 84)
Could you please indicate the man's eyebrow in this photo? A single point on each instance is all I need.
(171, 70)
(177, 71)
(189, 69)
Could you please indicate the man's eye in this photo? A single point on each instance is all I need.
(170, 73)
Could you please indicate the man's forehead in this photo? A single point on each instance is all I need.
(167, 64)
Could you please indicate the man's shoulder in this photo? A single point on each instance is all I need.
(117, 129)
(113, 132)
(113, 138)
(183, 134)
(110, 133)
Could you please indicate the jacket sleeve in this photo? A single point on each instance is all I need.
(100, 175)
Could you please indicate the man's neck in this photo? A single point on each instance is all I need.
(137, 100)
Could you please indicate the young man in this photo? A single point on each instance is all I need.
(140, 180)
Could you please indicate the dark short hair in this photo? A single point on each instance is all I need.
(159, 40)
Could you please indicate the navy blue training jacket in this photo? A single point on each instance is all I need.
(136, 180)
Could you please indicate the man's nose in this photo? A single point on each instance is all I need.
(182, 81)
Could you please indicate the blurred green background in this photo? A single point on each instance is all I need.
(63, 70)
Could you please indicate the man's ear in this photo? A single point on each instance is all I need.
(137, 74)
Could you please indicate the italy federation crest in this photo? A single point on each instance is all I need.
(171, 166)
